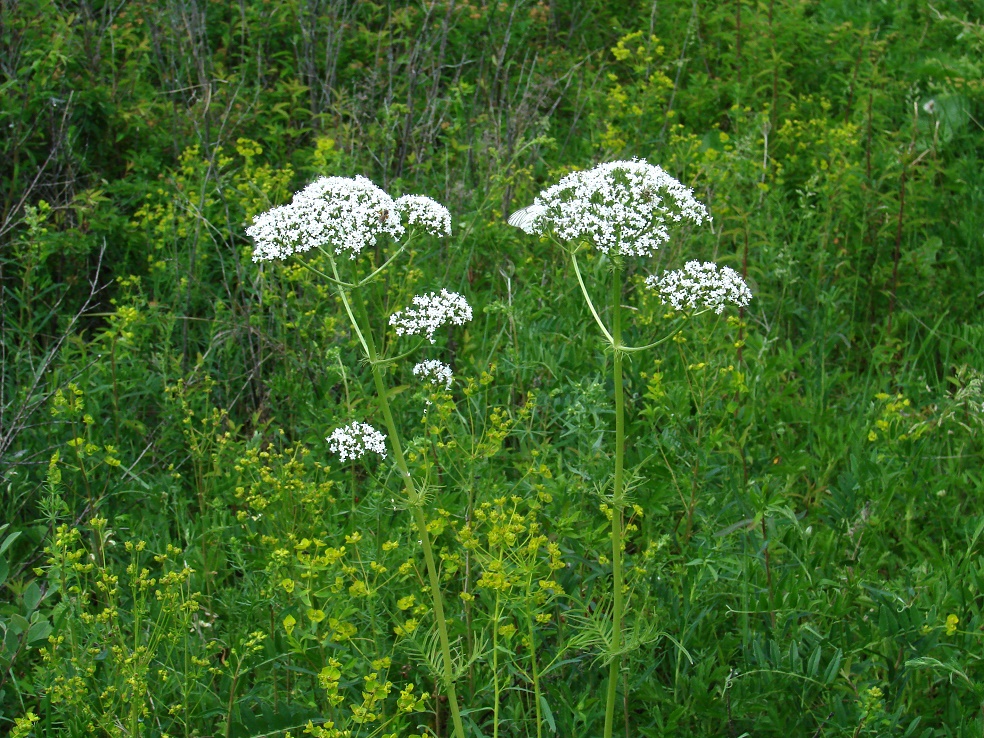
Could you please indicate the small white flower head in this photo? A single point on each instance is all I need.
(430, 312)
(355, 440)
(701, 285)
(343, 215)
(431, 215)
(622, 205)
(434, 371)
(276, 234)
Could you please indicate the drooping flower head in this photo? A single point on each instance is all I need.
(625, 206)
(353, 441)
(429, 312)
(434, 371)
(701, 285)
(342, 215)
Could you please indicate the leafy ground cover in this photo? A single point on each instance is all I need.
(181, 554)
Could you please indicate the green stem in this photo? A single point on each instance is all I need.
(495, 669)
(617, 502)
(442, 628)
(401, 357)
(370, 277)
(371, 353)
(362, 282)
(412, 496)
(134, 709)
(231, 703)
(587, 299)
(664, 339)
(536, 678)
(337, 282)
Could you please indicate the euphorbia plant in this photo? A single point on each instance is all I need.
(341, 218)
(625, 209)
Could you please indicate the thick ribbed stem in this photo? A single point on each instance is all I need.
(416, 505)
(617, 502)
(442, 628)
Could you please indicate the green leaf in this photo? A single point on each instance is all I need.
(8, 540)
(32, 596)
(912, 727)
(928, 662)
(833, 667)
(18, 624)
(548, 714)
(813, 666)
(39, 631)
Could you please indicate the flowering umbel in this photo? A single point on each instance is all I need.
(353, 441)
(429, 312)
(701, 285)
(622, 205)
(434, 371)
(343, 215)
(433, 216)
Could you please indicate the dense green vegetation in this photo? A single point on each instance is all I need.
(181, 555)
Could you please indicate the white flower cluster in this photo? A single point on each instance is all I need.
(435, 371)
(433, 216)
(701, 285)
(429, 312)
(621, 205)
(354, 440)
(341, 214)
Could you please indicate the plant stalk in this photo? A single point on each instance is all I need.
(617, 502)
(536, 680)
(495, 670)
(416, 505)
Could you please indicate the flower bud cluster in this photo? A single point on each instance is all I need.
(701, 285)
(355, 440)
(622, 205)
(436, 372)
(429, 312)
(344, 215)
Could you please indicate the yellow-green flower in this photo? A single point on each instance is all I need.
(951, 624)
(507, 630)
(289, 623)
(24, 725)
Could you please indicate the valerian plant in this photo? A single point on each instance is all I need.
(340, 218)
(625, 209)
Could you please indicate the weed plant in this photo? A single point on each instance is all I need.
(183, 551)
